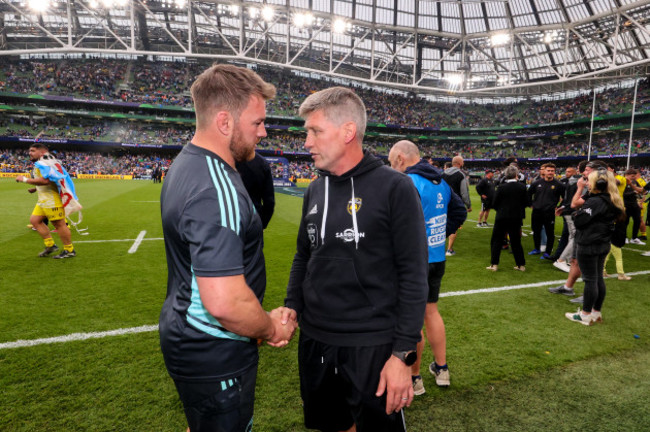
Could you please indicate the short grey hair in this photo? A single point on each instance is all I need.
(340, 105)
(511, 172)
(408, 148)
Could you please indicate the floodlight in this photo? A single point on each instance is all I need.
(93, 4)
(299, 20)
(550, 37)
(267, 13)
(180, 3)
(234, 9)
(500, 39)
(38, 5)
(339, 25)
(121, 3)
(253, 12)
(107, 3)
(454, 80)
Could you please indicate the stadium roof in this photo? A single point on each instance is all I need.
(469, 47)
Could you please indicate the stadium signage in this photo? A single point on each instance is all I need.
(282, 183)
(12, 174)
(104, 177)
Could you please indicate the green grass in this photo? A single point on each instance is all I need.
(516, 362)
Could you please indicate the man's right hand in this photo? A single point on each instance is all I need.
(285, 323)
(31, 190)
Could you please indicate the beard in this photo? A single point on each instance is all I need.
(240, 150)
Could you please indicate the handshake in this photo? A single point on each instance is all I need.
(285, 323)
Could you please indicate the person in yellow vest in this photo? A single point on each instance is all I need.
(644, 207)
(49, 205)
(618, 237)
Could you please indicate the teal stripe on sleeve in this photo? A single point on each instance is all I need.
(201, 319)
(223, 180)
(219, 193)
(233, 191)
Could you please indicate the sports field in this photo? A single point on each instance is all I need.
(516, 363)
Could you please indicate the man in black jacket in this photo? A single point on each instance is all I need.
(358, 282)
(510, 204)
(257, 178)
(485, 189)
(457, 180)
(544, 194)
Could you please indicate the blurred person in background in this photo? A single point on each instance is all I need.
(632, 208)
(444, 212)
(510, 202)
(570, 176)
(48, 174)
(485, 189)
(457, 180)
(257, 177)
(594, 223)
(563, 261)
(544, 195)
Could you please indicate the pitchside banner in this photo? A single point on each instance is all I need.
(79, 176)
(12, 175)
(104, 177)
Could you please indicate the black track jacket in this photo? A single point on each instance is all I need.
(359, 276)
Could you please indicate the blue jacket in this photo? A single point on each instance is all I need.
(444, 211)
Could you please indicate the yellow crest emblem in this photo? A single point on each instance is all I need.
(357, 205)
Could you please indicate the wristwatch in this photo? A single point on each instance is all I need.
(408, 357)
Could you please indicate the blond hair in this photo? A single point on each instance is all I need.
(340, 105)
(224, 87)
(597, 179)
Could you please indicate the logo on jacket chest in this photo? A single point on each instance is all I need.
(357, 205)
(348, 235)
(312, 235)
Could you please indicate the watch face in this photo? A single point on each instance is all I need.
(410, 358)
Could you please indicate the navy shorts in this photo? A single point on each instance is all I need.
(223, 406)
(436, 272)
(338, 386)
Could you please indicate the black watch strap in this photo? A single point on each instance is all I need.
(408, 357)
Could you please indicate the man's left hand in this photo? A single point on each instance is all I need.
(20, 179)
(395, 381)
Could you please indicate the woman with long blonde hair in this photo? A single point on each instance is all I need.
(594, 228)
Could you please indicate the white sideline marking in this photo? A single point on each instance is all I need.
(77, 337)
(137, 242)
(149, 328)
(505, 288)
(514, 287)
(118, 240)
(492, 226)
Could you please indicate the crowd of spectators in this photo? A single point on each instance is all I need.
(70, 128)
(138, 132)
(142, 165)
(167, 84)
(96, 79)
(138, 165)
